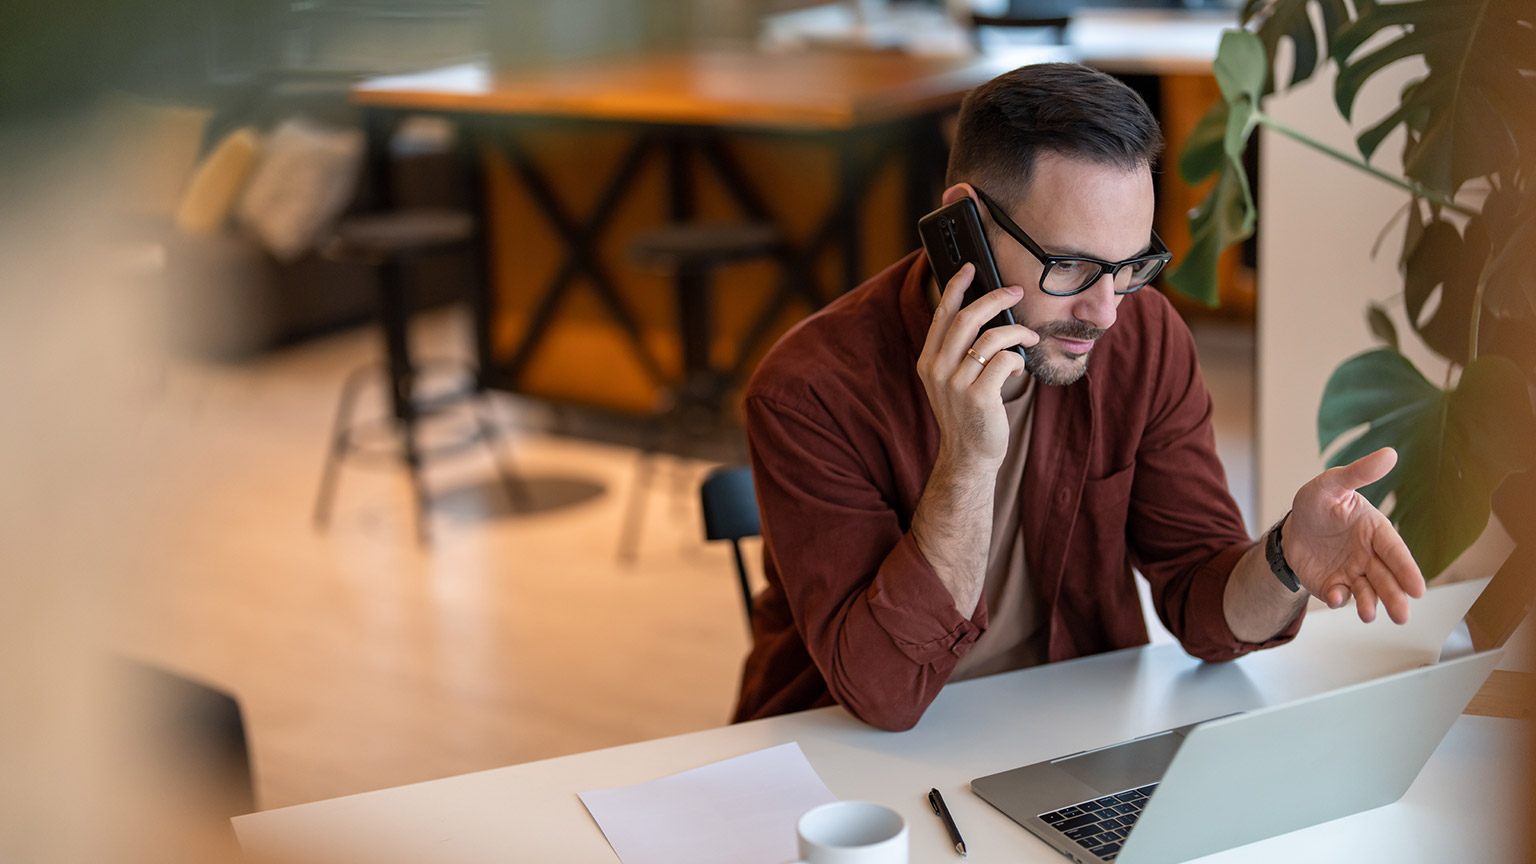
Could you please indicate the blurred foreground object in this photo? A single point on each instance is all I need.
(178, 765)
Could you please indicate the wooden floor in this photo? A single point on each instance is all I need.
(364, 659)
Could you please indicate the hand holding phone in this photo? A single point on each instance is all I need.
(964, 387)
(952, 236)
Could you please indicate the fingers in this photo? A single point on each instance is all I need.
(1393, 553)
(1386, 587)
(1002, 338)
(999, 367)
(988, 362)
(1365, 599)
(1392, 585)
(1393, 573)
(952, 350)
(1361, 472)
(955, 323)
(966, 328)
(949, 304)
(978, 365)
(1337, 596)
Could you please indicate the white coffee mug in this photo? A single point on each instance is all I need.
(852, 832)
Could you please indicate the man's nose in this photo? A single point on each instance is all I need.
(1097, 304)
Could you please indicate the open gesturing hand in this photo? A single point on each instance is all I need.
(1340, 545)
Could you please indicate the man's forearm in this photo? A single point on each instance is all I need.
(953, 527)
(1256, 604)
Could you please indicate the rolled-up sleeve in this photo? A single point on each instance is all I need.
(881, 628)
(1185, 532)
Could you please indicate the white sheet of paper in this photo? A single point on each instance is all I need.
(741, 810)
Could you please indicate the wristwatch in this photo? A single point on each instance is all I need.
(1275, 555)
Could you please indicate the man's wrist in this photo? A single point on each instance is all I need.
(965, 471)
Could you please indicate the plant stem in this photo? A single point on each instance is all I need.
(1410, 186)
(1477, 314)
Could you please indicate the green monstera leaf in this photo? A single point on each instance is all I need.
(1205, 148)
(1446, 265)
(1381, 325)
(1511, 271)
(1469, 263)
(1455, 446)
(1226, 216)
(1290, 19)
(1472, 109)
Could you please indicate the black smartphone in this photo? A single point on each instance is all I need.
(952, 235)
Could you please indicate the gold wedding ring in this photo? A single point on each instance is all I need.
(971, 353)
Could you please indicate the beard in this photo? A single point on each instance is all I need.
(1060, 371)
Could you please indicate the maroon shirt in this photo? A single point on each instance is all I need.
(1121, 472)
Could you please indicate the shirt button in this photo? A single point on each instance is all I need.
(1061, 496)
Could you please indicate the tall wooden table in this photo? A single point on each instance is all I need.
(676, 116)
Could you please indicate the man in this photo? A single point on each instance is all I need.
(936, 507)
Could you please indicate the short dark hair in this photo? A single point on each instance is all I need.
(1065, 108)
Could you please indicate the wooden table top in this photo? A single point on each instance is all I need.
(817, 90)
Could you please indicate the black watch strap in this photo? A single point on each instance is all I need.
(1275, 555)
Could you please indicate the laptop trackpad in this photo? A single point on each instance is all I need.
(1123, 766)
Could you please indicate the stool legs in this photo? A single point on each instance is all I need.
(391, 241)
(518, 492)
(340, 443)
(634, 512)
(651, 443)
(412, 454)
(395, 317)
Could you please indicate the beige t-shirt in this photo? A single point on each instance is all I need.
(1014, 637)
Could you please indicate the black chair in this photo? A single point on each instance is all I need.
(697, 410)
(189, 727)
(730, 513)
(389, 241)
(179, 753)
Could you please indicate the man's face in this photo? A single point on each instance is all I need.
(1074, 207)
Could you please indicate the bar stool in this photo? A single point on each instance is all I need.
(697, 408)
(388, 241)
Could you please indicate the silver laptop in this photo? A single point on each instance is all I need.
(1087, 804)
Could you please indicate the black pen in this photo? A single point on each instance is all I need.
(936, 801)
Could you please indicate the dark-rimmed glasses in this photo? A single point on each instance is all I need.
(1065, 275)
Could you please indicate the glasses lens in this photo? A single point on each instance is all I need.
(1069, 277)
(1143, 272)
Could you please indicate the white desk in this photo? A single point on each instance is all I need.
(531, 813)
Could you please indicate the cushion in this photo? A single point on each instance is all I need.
(303, 181)
(216, 184)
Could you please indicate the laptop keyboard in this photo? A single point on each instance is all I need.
(1100, 825)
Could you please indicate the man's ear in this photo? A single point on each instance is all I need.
(958, 191)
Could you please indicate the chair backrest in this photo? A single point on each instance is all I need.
(730, 513)
(1053, 25)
